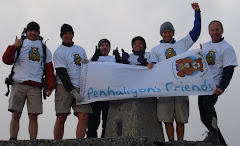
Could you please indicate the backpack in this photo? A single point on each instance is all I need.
(9, 79)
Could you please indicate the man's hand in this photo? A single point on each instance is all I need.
(117, 56)
(142, 60)
(218, 91)
(201, 52)
(48, 92)
(125, 55)
(150, 65)
(18, 43)
(98, 52)
(85, 61)
(195, 6)
(76, 95)
(115, 52)
(96, 55)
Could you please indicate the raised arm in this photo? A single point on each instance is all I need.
(195, 32)
(8, 56)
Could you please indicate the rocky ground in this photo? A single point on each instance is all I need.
(120, 141)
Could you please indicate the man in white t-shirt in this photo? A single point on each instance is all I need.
(27, 78)
(139, 55)
(174, 108)
(101, 55)
(67, 62)
(222, 60)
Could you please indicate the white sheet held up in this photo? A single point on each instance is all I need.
(182, 75)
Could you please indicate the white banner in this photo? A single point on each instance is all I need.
(182, 75)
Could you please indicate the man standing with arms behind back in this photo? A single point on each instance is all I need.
(222, 60)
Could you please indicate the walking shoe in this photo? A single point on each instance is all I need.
(13, 138)
(212, 138)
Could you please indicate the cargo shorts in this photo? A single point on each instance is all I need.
(64, 102)
(173, 108)
(22, 92)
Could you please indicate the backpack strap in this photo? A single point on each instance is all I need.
(44, 83)
(9, 80)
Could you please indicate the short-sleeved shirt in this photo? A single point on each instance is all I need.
(105, 59)
(30, 64)
(164, 51)
(69, 58)
(133, 59)
(218, 56)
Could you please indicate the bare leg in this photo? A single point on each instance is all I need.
(59, 126)
(14, 125)
(180, 131)
(33, 125)
(82, 124)
(170, 130)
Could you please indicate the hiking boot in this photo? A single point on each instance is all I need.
(212, 138)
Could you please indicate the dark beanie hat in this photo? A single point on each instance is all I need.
(141, 39)
(65, 28)
(33, 26)
(104, 41)
(166, 26)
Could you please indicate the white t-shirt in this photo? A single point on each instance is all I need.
(133, 59)
(218, 56)
(69, 58)
(30, 64)
(164, 51)
(105, 59)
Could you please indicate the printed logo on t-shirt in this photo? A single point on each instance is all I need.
(77, 59)
(34, 54)
(189, 66)
(211, 56)
(170, 52)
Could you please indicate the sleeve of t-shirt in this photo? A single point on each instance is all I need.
(84, 54)
(227, 76)
(186, 43)
(154, 57)
(48, 56)
(9, 55)
(147, 55)
(58, 60)
(64, 77)
(229, 57)
(195, 32)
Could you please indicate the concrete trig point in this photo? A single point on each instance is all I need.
(134, 117)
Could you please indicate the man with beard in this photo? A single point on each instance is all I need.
(100, 55)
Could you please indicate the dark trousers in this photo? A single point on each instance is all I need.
(208, 114)
(94, 119)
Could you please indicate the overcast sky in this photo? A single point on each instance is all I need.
(119, 21)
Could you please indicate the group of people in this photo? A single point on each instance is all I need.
(31, 63)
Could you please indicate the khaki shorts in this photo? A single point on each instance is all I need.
(64, 101)
(170, 108)
(21, 92)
